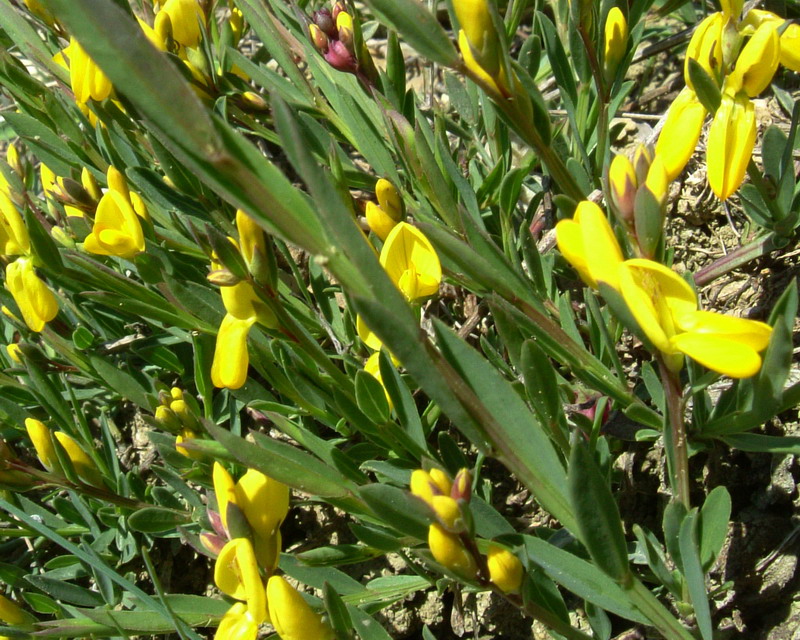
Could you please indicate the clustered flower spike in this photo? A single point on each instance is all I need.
(244, 308)
(740, 73)
(251, 511)
(663, 304)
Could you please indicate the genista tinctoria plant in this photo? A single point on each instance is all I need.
(291, 287)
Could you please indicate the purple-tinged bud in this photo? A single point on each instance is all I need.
(642, 158)
(325, 21)
(319, 38)
(462, 486)
(216, 523)
(340, 58)
(213, 542)
(338, 7)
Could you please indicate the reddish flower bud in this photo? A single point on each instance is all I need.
(325, 21)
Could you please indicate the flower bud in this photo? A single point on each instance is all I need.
(42, 443)
(90, 184)
(681, 132)
(224, 490)
(622, 185)
(255, 101)
(642, 158)
(84, 466)
(656, 181)
(340, 57)
(338, 7)
(757, 62)
(478, 44)
(706, 48)
(13, 160)
(326, 22)
(184, 436)
(167, 419)
(223, 278)
(505, 569)
(213, 543)
(318, 38)
(380, 222)
(14, 352)
(389, 200)
(448, 513)
(426, 484)
(448, 550)
(616, 42)
(291, 615)
(462, 486)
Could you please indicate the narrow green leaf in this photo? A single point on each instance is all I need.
(597, 513)
(695, 578)
(399, 508)
(155, 520)
(712, 524)
(371, 398)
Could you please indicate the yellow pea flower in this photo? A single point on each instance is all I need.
(184, 436)
(448, 513)
(90, 184)
(656, 181)
(478, 43)
(87, 80)
(42, 443)
(82, 463)
(231, 359)
(411, 262)
(588, 243)
(681, 132)
(665, 308)
(117, 230)
(790, 47)
(292, 617)
(236, 574)
(616, 41)
(251, 237)
(731, 8)
(264, 501)
(449, 551)
(380, 222)
(706, 47)
(14, 239)
(505, 569)
(186, 17)
(731, 139)
(237, 624)
(36, 302)
(366, 334)
(757, 62)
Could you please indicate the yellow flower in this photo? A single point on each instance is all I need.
(231, 359)
(36, 302)
(87, 80)
(251, 237)
(265, 501)
(42, 443)
(706, 47)
(505, 569)
(790, 47)
(665, 308)
(757, 62)
(237, 624)
(682, 128)
(184, 436)
(291, 615)
(411, 262)
(380, 222)
(236, 574)
(449, 551)
(478, 43)
(448, 513)
(366, 334)
(388, 199)
(186, 17)
(731, 8)
(82, 463)
(427, 484)
(588, 243)
(622, 184)
(14, 352)
(656, 181)
(731, 139)
(117, 230)
(616, 41)
(14, 239)
(90, 184)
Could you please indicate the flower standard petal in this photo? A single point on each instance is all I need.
(42, 443)
(265, 501)
(790, 47)
(237, 624)
(116, 230)
(570, 243)
(602, 252)
(730, 144)
(724, 355)
(758, 61)
(14, 239)
(753, 333)
(83, 464)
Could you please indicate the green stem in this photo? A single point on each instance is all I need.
(657, 613)
(680, 453)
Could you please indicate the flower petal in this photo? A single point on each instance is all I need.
(724, 355)
(730, 144)
(229, 368)
(752, 333)
(682, 128)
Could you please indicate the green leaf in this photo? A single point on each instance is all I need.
(371, 398)
(284, 463)
(693, 572)
(597, 513)
(404, 405)
(759, 443)
(398, 508)
(704, 86)
(123, 383)
(155, 520)
(515, 432)
(419, 27)
(712, 524)
(581, 578)
(65, 591)
(338, 555)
